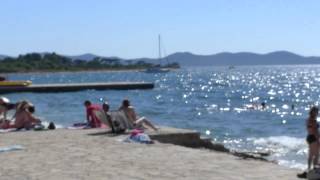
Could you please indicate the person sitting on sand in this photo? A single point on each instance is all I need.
(106, 107)
(24, 117)
(313, 137)
(114, 124)
(91, 113)
(132, 116)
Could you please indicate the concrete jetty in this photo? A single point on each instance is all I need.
(44, 88)
(193, 139)
(184, 137)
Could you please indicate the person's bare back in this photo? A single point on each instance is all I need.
(130, 113)
(25, 119)
(132, 116)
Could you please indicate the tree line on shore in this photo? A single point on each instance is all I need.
(53, 62)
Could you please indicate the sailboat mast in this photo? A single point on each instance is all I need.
(159, 46)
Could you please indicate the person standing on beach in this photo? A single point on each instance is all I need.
(92, 112)
(313, 137)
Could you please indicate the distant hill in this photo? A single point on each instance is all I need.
(219, 59)
(52, 62)
(3, 56)
(242, 58)
(86, 57)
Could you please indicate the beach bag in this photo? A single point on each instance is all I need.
(51, 126)
(118, 129)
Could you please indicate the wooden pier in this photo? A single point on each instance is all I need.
(70, 87)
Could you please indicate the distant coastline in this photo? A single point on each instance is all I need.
(73, 71)
(80, 71)
(52, 62)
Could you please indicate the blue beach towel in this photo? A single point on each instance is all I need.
(11, 148)
(141, 138)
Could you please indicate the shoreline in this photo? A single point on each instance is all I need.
(93, 154)
(80, 71)
(83, 71)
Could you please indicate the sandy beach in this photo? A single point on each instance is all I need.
(93, 154)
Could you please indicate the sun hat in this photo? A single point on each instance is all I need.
(4, 100)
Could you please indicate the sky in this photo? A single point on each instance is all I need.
(130, 28)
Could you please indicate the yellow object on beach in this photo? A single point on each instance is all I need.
(15, 83)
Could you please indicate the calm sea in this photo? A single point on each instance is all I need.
(217, 101)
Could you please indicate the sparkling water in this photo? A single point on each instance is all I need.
(224, 104)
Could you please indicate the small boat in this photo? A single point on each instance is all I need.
(156, 70)
(4, 82)
(14, 83)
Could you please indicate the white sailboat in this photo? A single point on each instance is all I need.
(158, 68)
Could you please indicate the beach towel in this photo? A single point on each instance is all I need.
(83, 125)
(138, 136)
(78, 127)
(11, 148)
(38, 127)
(8, 130)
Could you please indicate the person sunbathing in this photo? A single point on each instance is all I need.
(24, 117)
(106, 108)
(132, 116)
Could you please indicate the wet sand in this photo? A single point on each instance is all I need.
(93, 154)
